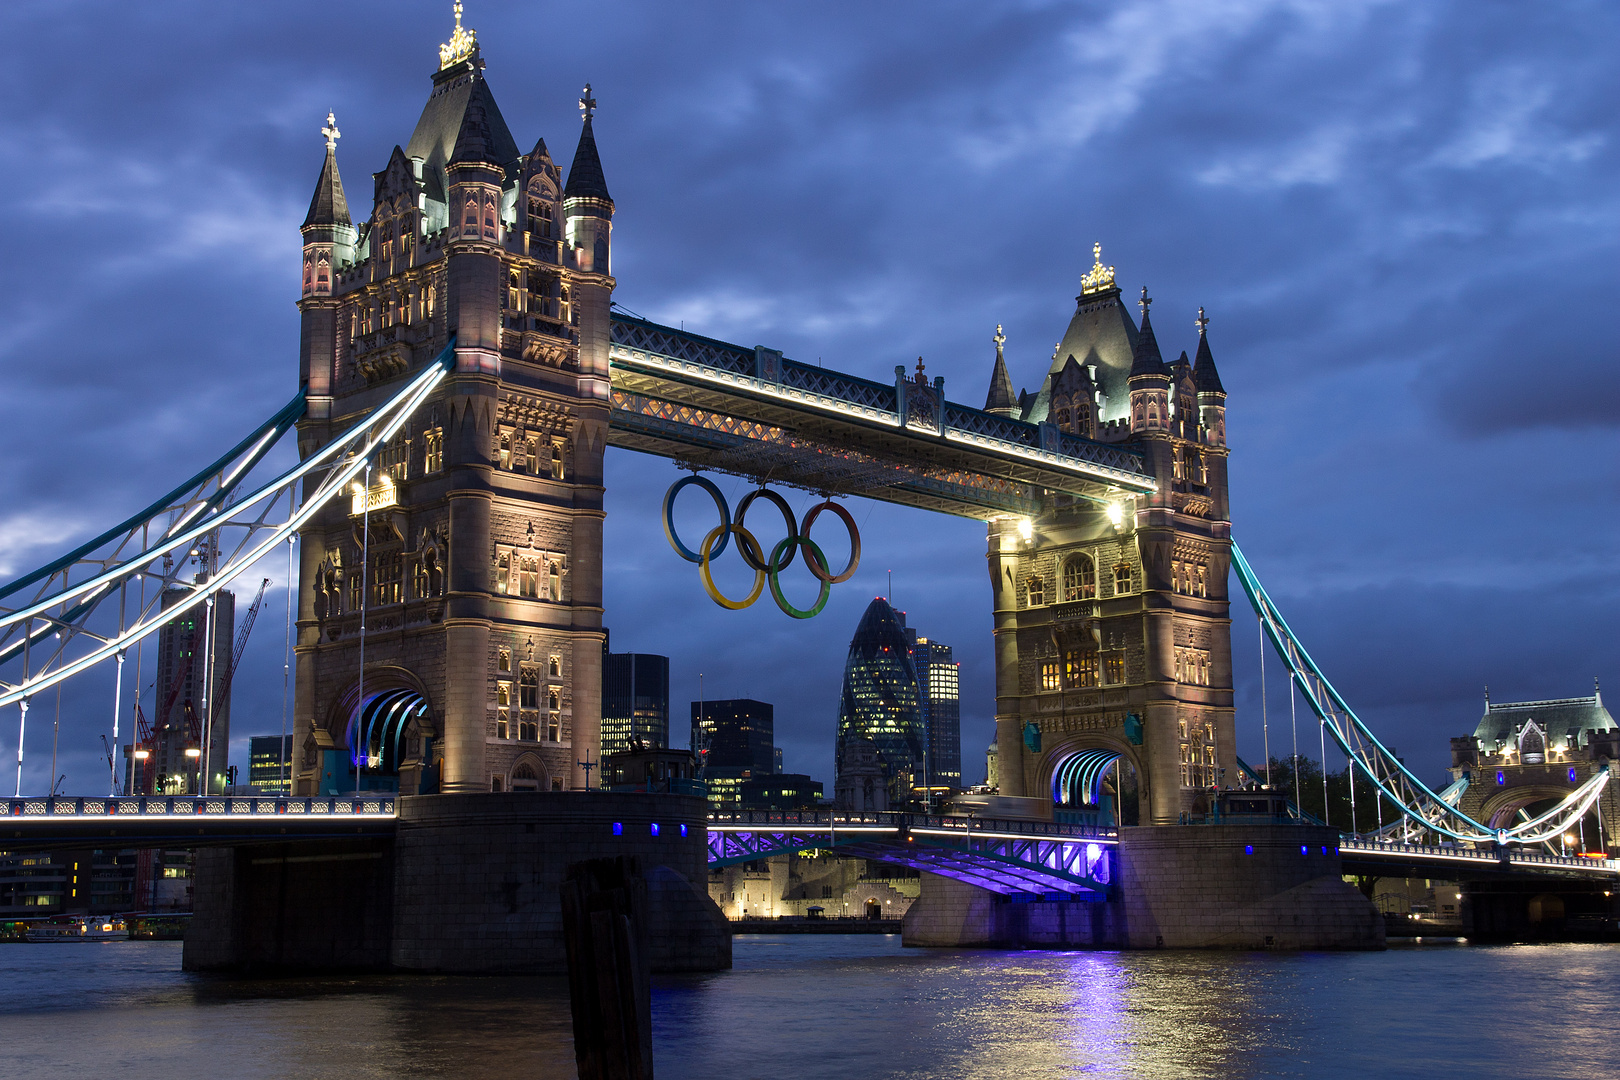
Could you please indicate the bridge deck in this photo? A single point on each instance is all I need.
(751, 412)
(189, 821)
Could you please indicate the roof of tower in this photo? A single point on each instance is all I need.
(1181, 368)
(1102, 338)
(1563, 720)
(1205, 377)
(328, 206)
(1146, 360)
(474, 140)
(438, 130)
(585, 174)
(1072, 377)
(539, 153)
(1001, 398)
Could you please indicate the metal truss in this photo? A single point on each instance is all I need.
(1427, 810)
(46, 616)
(1008, 857)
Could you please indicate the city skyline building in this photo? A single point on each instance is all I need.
(880, 699)
(939, 695)
(187, 735)
(733, 740)
(635, 700)
(270, 764)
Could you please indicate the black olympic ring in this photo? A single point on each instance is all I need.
(766, 569)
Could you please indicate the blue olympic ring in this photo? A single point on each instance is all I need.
(669, 517)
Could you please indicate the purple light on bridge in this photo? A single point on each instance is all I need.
(618, 828)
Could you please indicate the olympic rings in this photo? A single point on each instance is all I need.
(753, 554)
(854, 542)
(669, 515)
(787, 517)
(813, 557)
(745, 540)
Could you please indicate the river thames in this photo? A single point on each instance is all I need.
(845, 1008)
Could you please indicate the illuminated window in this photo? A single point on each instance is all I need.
(394, 458)
(1037, 592)
(554, 716)
(529, 704)
(529, 577)
(1079, 578)
(531, 449)
(1114, 669)
(503, 660)
(554, 667)
(1203, 584)
(433, 450)
(554, 582)
(1049, 675)
(1124, 579)
(504, 453)
(556, 461)
(503, 572)
(540, 220)
(514, 293)
(1080, 668)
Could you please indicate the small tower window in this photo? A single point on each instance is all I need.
(554, 582)
(433, 450)
(554, 666)
(503, 572)
(1079, 579)
(556, 461)
(1049, 675)
(503, 660)
(1037, 592)
(1123, 579)
(505, 453)
(529, 577)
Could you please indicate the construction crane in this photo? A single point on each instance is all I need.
(242, 633)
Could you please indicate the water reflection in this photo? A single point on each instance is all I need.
(840, 1007)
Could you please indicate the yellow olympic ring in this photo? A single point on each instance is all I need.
(745, 540)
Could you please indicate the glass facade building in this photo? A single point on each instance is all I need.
(940, 698)
(270, 764)
(635, 701)
(734, 741)
(880, 699)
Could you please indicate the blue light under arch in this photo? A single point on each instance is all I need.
(1077, 780)
(382, 719)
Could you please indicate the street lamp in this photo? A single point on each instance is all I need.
(196, 756)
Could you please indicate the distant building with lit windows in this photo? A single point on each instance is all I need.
(270, 764)
(881, 701)
(939, 697)
(635, 701)
(734, 740)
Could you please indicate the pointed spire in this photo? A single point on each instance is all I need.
(328, 206)
(1147, 359)
(474, 141)
(585, 175)
(1001, 400)
(1205, 377)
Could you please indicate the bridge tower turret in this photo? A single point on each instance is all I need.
(328, 243)
(1111, 613)
(478, 580)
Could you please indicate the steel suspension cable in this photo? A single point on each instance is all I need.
(286, 673)
(357, 753)
(1293, 725)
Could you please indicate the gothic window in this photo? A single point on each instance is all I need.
(503, 710)
(1079, 578)
(540, 217)
(1124, 579)
(428, 296)
(433, 450)
(489, 217)
(1198, 467)
(554, 666)
(1049, 675)
(420, 584)
(554, 582)
(1114, 669)
(354, 592)
(1177, 465)
(532, 452)
(503, 572)
(394, 458)
(554, 726)
(1037, 592)
(1202, 583)
(469, 221)
(495, 784)
(556, 461)
(529, 704)
(505, 452)
(309, 275)
(503, 660)
(387, 577)
(524, 779)
(600, 263)
(529, 577)
(1080, 668)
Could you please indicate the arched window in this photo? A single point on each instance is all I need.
(529, 577)
(556, 461)
(503, 572)
(524, 778)
(506, 450)
(1079, 579)
(1037, 592)
(554, 582)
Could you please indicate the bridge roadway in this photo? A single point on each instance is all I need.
(1012, 857)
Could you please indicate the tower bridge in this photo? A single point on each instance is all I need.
(462, 373)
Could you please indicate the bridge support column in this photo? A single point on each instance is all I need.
(1003, 560)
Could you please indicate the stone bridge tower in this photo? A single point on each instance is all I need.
(481, 595)
(1111, 621)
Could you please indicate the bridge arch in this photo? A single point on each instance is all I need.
(386, 741)
(1074, 772)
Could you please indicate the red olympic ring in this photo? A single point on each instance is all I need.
(854, 543)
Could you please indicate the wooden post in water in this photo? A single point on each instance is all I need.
(604, 909)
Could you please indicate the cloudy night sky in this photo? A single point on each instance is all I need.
(1401, 217)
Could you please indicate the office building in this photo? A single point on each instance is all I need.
(939, 698)
(635, 701)
(734, 741)
(880, 700)
(270, 764)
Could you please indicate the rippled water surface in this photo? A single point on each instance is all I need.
(846, 1008)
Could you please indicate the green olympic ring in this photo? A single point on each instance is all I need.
(813, 557)
(753, 554)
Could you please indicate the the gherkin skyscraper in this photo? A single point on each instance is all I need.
(880, 698)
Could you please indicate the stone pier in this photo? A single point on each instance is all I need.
(1174, 887)
(468, 884)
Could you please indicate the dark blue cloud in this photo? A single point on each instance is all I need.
(1402, 219)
